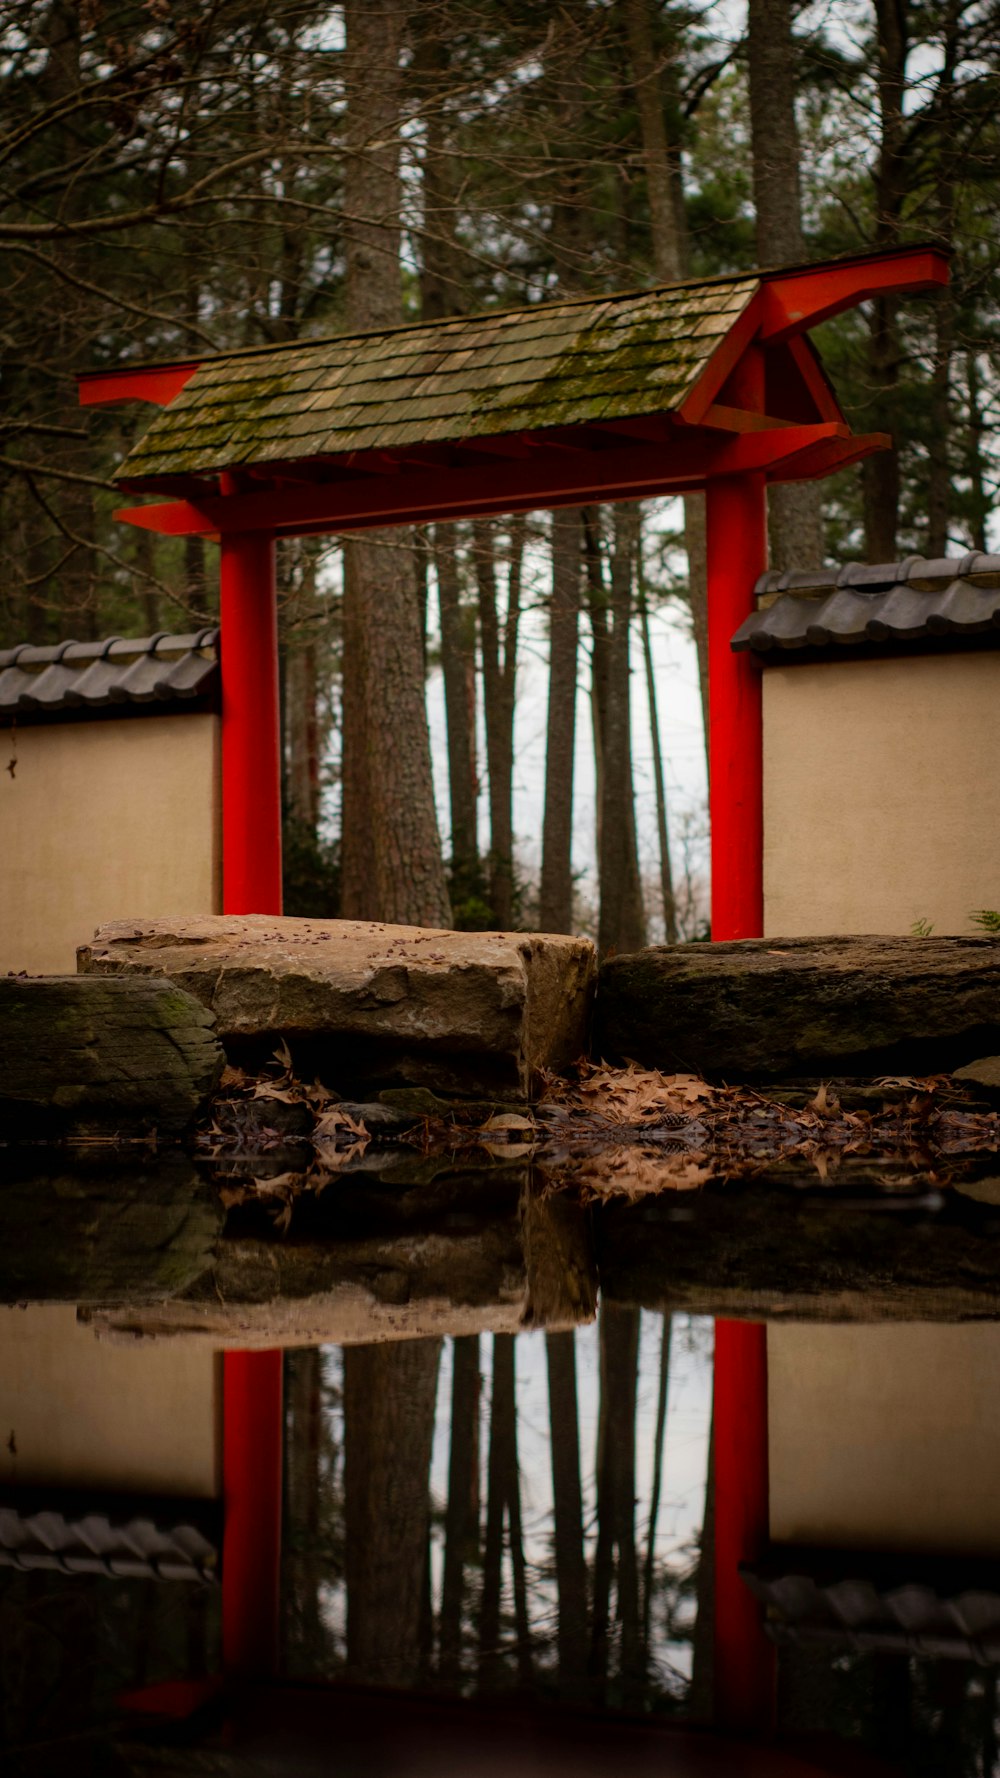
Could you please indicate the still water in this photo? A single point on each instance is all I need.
(500, 1550)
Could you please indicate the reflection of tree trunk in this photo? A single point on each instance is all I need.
(303, 1564)
(461, 1526)
(504, 1501)
(571, 1567)
(619, 1338)
(703, 1652)
(389, 1398)
(556, 900)
(649, 1567)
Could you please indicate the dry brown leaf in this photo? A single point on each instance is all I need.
(330, 1123)
(287, 1095)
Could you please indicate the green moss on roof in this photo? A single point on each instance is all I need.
(556, 364)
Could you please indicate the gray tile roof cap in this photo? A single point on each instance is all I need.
(864, 606)
(81, 677)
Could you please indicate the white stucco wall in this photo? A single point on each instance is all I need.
(105, 821)
(885, 1437)
(881, 804)
(83, 1413)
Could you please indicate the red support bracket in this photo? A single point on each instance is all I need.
(158, 383)
(794, 301)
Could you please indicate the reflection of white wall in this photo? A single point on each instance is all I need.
(78, 1413)
(885, 1436)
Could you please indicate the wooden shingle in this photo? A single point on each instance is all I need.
(552, 365)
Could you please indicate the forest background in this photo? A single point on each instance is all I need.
(178, 178)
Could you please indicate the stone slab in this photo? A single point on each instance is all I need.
(771, 1009)
(81, 1054)
(362, 1002)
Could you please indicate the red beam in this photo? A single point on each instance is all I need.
(632, 473)
(793, 301)
(158, 384)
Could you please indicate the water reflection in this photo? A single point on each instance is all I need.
(502, 1548)
(547, 1497)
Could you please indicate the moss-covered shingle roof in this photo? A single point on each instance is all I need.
(555, 364)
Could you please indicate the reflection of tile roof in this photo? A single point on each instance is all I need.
(553, 364)
(915, 601)
(129, 1537)
(866, 1601)
(77, 678)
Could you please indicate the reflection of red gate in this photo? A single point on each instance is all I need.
(756, 408)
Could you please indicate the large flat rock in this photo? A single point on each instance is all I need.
(777, 1008)
(463, 1012)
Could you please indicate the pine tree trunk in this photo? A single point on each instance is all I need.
(795, 524)
(667, 896)
(458, 667)
(556, 898)
(979, 498)
(622, 922)
(499, 670)
(880, 473)
(390, 849)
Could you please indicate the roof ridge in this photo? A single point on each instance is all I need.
(544, 306)
(879, 576)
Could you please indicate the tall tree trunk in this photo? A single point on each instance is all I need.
(458, 668)
(795, 521)
(622, 923)
(667, 896)
(555, 913)
(461, 1525)
(668, 230)
(880, 473)
(499, 670)
(939, 443)
(389, 1399)
(571, 1566)
(390, 849)
(980, 500)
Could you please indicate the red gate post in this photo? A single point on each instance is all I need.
(251, 884)
(737, 553)
(251, 745)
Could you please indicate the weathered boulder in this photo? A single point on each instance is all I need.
(464, 1012)
(777, 1008)
(78, 1053)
